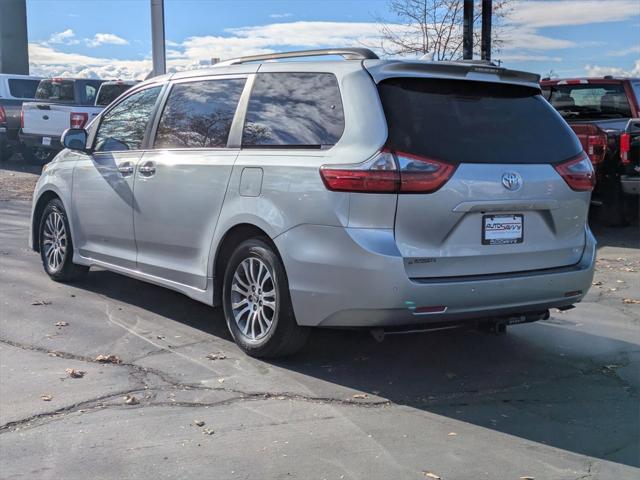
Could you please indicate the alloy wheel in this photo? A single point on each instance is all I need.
(54, 241)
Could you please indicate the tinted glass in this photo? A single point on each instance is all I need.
(474, 122)
(123, 127)
(199, 114)
(87, 90)
(21, 88)
(294, 110)
(589, 101)
(108, 93)
(56, 90)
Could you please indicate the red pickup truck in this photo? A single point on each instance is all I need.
(604, 113)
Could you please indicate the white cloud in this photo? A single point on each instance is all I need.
(624, 51)
(557, 13)
(600, 71)
(66, 37)
(105, 38)
(528, 58)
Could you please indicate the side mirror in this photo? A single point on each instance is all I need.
(75, 139)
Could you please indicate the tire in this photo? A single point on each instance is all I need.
(254, 264)
(614, 211)
(6, 152)
(56, 245)
(37, 156)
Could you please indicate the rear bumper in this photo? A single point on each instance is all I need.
(630, 185)
(35, 140)
(342, 277)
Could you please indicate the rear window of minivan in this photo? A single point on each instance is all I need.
(460, 121)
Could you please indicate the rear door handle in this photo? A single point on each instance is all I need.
(126, 169)
(147, 169)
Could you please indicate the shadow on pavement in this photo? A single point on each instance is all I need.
(547, 382)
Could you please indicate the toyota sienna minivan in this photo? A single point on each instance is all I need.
(381, 194)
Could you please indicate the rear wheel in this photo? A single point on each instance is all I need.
(5, 152)
(257, 303)
(56, 246)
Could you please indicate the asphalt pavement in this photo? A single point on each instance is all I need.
(557, 399)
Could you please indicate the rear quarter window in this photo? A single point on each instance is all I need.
(301, 110)
(23, 88)
(461, 121)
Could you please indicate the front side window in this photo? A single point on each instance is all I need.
(123, 127)
(199, 114)
(294, 110)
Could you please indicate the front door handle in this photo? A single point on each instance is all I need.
(147, 169)
(126, 169)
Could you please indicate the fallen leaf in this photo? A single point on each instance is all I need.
(41, 302)
(620, 281)
(46, 398)
(453, 434)
(61, 324)
(216, 356)
(107, 359)
(73, 373)
(596, 284)
(159, 337)
(360, 396)
(527, 478)
(612, 289)
(199, 423)
(431, 475)
(221, 380)
(631, 301)
(208, 431)
(131, 400)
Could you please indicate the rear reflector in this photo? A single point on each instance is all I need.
(625, 147)
(578, 173)
(21, 118)
(78, 119)
(388, 172)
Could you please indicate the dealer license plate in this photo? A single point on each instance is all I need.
(502, 229)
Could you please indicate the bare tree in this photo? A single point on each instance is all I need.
(434, 27)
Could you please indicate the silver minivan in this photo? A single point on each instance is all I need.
(382, 194)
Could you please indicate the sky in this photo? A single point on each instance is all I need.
(112, 39)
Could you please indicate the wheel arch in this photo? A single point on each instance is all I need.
(43, 200)
(231, 238)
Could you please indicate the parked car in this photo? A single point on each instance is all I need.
(368, 193)
(14, 89)
(60, 103)
(110, 90)
(599, 110)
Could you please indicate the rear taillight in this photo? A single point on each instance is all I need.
(578, 173)
(3, 115)
(596, 147)
(21, 118)
(377, 175)
(625, 147)
(422, 175)
(388, 172)
(78, 119)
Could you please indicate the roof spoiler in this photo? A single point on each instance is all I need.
(467, 70)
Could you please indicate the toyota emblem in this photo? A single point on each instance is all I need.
(512, 181)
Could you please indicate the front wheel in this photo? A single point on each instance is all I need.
(257, 303)
(56, 246)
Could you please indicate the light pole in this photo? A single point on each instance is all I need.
(157, 38)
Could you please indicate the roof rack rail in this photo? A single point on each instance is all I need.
(346, 53)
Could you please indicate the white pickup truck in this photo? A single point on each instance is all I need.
(60, 103)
